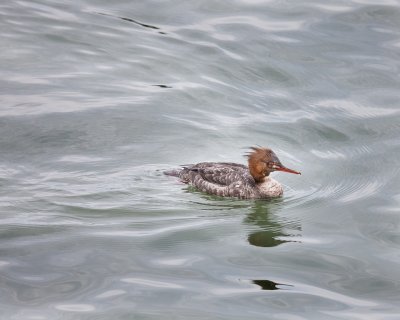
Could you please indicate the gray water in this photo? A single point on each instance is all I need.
(98, 97)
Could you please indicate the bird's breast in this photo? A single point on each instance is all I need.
(270, 188)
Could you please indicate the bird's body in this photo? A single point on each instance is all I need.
(236, 180)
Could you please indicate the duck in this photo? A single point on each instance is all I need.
(228, 179)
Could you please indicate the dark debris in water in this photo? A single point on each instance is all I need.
(270, 285)
(139, 23)
(145, 25)
(162, 86)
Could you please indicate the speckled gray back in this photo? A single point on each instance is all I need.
(224, 179)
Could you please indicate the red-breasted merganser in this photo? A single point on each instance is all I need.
(236, 180)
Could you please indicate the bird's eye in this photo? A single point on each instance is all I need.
(273, 165)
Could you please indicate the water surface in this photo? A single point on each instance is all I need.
(98, 98)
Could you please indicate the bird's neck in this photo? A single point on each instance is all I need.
(258, 171)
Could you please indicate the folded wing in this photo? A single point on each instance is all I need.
(223, 179)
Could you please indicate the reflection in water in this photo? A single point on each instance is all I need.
(272, 232)
(270, 285)
(261, 213)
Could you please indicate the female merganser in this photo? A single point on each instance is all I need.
(236, 180)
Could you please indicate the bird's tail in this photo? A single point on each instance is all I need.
(186, 168)
(173, 172)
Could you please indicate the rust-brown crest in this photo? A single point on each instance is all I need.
(263, 161)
